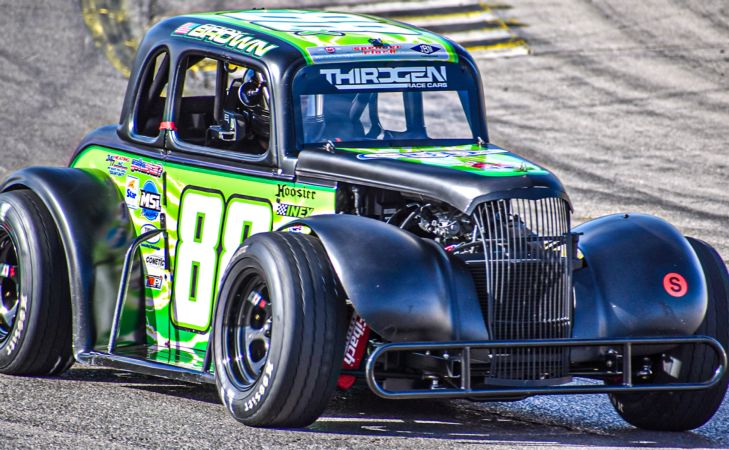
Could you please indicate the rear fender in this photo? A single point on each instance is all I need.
(95, 230)
(406, 288)
(641, 278)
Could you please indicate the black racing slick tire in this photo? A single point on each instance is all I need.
(35, 305)
(279, 329)
(682, 411)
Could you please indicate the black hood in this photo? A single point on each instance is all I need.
(459, 188)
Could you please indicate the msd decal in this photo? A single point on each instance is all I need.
(387, 77)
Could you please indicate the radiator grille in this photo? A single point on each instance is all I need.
(524, 284)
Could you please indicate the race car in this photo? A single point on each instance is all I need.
(299, 201)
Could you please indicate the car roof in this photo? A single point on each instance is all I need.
(316, 36)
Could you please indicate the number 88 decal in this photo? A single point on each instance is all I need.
(209, 231)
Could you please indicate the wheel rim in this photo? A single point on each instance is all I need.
(9, 284)
(248, 336)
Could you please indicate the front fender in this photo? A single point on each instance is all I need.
(95, 231)
(631, 284)
(406, 288)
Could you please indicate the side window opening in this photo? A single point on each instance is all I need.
(224, 106)
(152, 96)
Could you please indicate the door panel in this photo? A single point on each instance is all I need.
(140, 185)
(209, 214)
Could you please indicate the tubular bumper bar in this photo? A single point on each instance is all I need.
(466, 390)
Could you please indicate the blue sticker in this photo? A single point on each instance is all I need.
(426, 49)
(149, 201)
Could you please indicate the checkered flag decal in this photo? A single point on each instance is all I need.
(282, 209)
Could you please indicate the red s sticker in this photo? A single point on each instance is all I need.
(675, 284)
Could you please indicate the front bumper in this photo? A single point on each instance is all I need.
(462, 354)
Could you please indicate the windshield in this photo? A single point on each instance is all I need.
(386, 105)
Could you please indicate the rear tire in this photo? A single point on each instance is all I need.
(278, 336)
(35, 306)
(681, 411)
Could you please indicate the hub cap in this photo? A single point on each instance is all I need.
(248, 338)
(9, 284)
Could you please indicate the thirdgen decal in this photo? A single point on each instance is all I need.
(387, 77)
(426, 155)
(225, 37)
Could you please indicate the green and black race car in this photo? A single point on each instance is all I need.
(298, 200)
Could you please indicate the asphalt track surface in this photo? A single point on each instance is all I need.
(626, 101)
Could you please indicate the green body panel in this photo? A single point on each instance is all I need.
(488, 160)
(208, 213)
(320, 36)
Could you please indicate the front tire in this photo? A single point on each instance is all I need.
(682, 411)
(35, 305)
(279, 327)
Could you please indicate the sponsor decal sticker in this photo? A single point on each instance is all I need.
(295, 192)
(131, 195)
(118, 165)
(426, 49)
(303, 229)
(356, 344)
(153, 282)
(149, 201)
(146, 168)
(497, 166)
(387, 77)
(307, 23)
(429, 155)
(286, 209)
(229, 38)
(376, 49)
(146, 228)
(155, 261)
(675, 284)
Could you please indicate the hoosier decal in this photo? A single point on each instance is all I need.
(225, 37)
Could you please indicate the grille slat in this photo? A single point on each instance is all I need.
(524, 284)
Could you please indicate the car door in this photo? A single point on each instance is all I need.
(220, 189)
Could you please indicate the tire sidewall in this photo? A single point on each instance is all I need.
(22, 226)
(246, 405)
